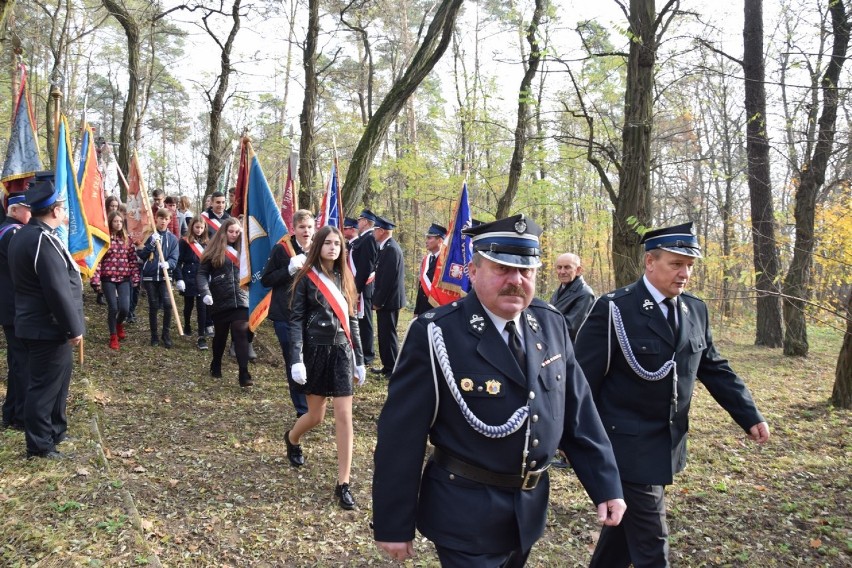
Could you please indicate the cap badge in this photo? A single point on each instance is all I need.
(521, 226)
(466, 384)
(532, 321)
(648, 304)
(492, 387)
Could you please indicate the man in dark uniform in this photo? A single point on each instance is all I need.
(492, 382)
(434, 242)
(365, 255)
(574, 298)
(48, 317)
(643, 402)
(16, 351)
(388, 294)
(350, 231)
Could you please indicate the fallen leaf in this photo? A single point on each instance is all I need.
(82, 471)
(139, 469)
(816, 543)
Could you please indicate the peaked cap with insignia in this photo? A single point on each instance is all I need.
(679, 239)
(513, 241)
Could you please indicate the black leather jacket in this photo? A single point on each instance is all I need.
(223, 284)
(312, 320)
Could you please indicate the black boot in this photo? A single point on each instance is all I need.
(216, 369)
(294, 451)
(344, 496)
(245, 377)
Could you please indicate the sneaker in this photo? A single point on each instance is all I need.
(155, 342)
(344, 496)
(202, 344)
(167, 342)
(294, 451)
(120, 331)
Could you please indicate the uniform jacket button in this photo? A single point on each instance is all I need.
(533, 464)
(532, 395)
(452, 476)
(535, 443)
(535, 418)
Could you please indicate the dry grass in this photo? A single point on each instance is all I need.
(203, 463)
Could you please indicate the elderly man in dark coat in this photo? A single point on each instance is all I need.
(574, 298)
(492, 382)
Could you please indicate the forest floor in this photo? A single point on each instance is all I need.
(172, 467)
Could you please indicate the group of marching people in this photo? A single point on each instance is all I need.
(313, 307)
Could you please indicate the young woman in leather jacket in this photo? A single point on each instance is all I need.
(327, 354)
(218, 282)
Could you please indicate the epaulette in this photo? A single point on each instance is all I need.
(692, 296)
(439, 312)
(621, 292)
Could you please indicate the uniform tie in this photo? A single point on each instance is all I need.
(670, 317)
(515, 345)
(431, 268)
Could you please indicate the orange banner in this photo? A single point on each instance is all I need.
(140, 220)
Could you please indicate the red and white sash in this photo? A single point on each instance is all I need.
(195, 247)
(212, 223)
(335, 298)
(232, 255)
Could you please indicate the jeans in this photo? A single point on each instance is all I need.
(282, 331)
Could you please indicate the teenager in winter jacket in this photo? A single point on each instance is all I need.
(153, 277)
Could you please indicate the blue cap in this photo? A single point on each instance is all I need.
(369, 215)
(41, 192)
(436, 230)
(350, 223)
(513, 241)
(17, 199)
(386, 224)
(679, 239)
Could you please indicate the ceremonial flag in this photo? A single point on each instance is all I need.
(238, 205)
(22, 154)
(263, 228)
(451, 280)
(288, 198)
(140, 220)
(91, 185)
(75, 235)
(330, 211)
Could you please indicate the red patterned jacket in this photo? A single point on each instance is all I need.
(118, 264)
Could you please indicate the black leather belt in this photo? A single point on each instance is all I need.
(479, 475)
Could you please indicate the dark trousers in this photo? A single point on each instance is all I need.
(117, 296)
(50, 366)
(365, 329)
(643, 535)
(388, 338)
(17, 379)
(458, 559)
(134, 299)
(200, 309)
(282, 331)
(158, 297)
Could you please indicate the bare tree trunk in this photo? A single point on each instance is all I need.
(633, 205)
(309, 103)
(6, 7)
(796, 283)
(216, 151)
(128, 120)
(433, 47)
(841, 394)
(766, 262)
(504, 203)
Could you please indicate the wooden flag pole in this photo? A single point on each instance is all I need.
(175, 315)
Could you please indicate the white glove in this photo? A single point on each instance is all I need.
(361, 373)
(300, 374)
(164, 264)
(155, 237)
(208, 300)
(296, 263)
(180, 285)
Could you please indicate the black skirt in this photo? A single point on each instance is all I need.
(329, 369)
